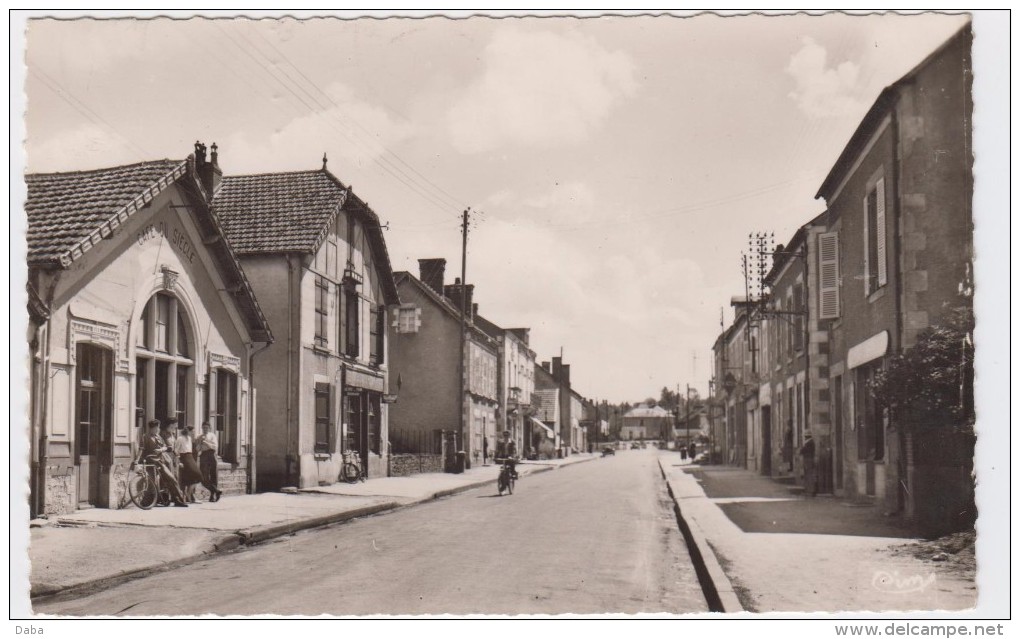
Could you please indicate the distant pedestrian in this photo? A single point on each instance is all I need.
(691, 450)
(485, 451)
(205, 446)
(807, 452)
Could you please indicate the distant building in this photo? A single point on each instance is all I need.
(647, 421)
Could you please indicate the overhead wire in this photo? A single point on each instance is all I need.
(452, 198)
(319, 110)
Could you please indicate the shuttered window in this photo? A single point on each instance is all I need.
(828, 275)
(881, 268)
(875, 262)
(323, 425)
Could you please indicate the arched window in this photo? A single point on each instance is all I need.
(165, 383)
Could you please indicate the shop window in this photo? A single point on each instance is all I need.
(323, 423)
(163, 362)
(870, 429)
(183, 348)
(162, 336)
(181, 405)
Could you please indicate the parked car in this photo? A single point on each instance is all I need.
(635, 446)
(608, 450)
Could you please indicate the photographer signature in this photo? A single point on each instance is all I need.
(892, 582)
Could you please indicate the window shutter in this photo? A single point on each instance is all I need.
(881, 268)
(867, 249)
(333, 438)
(828, 275)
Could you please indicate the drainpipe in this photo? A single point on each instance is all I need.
(252, 483)
(290, 363)
(44, 439)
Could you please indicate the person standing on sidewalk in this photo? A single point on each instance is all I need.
(190, 474)
(807, 451)
(205, 448)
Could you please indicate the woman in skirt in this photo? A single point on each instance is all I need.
(190, 473)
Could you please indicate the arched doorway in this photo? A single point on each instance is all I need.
(93, 433)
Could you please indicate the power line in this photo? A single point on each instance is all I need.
(319, 110)
(452, 198)
(84, 109)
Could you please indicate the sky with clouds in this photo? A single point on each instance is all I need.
(615, 165)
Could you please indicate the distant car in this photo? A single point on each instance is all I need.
(635, 446)
(608, 450)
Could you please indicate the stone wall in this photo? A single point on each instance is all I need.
(404, 465)
(60, 492)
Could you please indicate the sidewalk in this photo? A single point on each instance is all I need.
(97, 548)
(766, 549)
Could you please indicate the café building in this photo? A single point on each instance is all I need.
(138, 310)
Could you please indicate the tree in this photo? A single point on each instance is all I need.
(931, 384)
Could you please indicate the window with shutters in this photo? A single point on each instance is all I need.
(322, 421)
(352, 326)
(377, 329)
(875, 260)
(321, 310)
(798, 319)
(828, 275)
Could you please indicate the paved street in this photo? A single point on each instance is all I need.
(591, 538)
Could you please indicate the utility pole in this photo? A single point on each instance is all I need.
(688, 418)
(463, 333)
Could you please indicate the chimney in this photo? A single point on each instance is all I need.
(453, 293)
(432, 271)
(557, 366)
(565, 374)
(474, 309)
(545, 365)
(209, 173)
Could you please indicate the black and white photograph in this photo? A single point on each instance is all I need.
(545, 315)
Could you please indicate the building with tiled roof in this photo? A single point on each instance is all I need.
(426, 356)
(647, 421)
(139, 310)
(318, 260)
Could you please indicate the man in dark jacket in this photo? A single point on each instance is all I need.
(154, 451)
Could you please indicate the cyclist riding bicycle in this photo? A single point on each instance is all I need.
(506, 452)
(154, 451)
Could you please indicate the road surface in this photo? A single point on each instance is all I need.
(595, 537)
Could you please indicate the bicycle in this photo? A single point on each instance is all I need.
(144, 486)
(506, 478)
(350, 469)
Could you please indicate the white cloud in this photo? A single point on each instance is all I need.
(350, 130)
(539, 89)
(823, 91)
(88, 146)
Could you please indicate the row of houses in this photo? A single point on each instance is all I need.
(267, 306)
(855, 286)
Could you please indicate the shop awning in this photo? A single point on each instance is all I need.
(549, 431)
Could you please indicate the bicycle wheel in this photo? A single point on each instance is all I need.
(501, 483)
(142, 490)
(350, 472)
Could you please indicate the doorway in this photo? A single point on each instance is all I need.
(93, 434)
(766, 441)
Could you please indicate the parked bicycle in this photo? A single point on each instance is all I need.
(351, 470)
(144, 487)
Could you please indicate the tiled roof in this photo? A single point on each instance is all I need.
(66, 209)
(443, 303)
(277, 212)
(291, 212)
